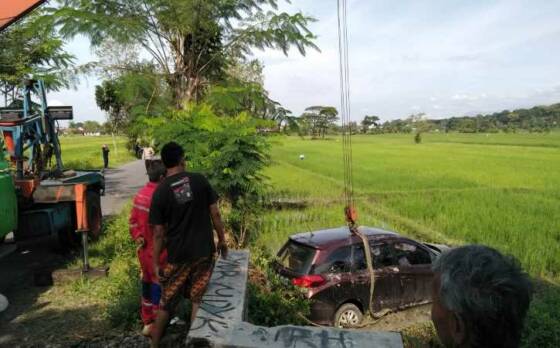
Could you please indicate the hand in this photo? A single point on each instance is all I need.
(223, 249)
(140, 242)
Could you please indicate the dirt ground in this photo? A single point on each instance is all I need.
(398, 321)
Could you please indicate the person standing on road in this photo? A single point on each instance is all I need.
(105, 150)
(148, 155)
(183, 210)
(141, 233)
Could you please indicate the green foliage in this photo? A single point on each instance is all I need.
(133, 94)
(192, 41)
(319, 118)
(273, 302)
(33, 49)
(228, 150)
(369, 121)
(543, 320)
(539, 119)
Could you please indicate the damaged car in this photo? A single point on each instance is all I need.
(330, 267)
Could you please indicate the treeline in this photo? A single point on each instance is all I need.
(536, 119)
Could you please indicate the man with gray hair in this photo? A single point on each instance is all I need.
(480, 298)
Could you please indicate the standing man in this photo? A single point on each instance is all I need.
(184, 209)
(141, 233)
(147, 156)
(105, 150)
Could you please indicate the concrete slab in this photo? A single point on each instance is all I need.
(220, 321)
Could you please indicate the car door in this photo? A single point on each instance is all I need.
(336, 267)
(415, 272)
(386, 288)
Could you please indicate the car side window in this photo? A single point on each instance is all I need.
(381, 254)
(408, 254)
(339, 261)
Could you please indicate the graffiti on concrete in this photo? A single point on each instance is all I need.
(302, 337)
(217, 301)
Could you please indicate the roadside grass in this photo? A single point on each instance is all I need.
(119, 292)
(84, 152)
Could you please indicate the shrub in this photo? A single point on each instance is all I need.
(273, 302)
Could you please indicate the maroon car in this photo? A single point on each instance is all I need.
(330, 266)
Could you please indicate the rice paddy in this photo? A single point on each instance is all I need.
(501, 190)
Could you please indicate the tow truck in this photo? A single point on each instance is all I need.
(39, 198)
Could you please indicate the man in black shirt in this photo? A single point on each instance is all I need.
(183, 211)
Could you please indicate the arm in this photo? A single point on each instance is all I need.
(219, 227)
(159, 235)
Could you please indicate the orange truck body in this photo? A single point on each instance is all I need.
(12, 10)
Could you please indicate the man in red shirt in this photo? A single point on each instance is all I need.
(141, 232)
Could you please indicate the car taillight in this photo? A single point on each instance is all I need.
(309, 281)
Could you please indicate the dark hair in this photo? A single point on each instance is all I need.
(172, 154)
(488, 290)
(156, 170)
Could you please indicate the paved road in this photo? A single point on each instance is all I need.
(121, 184)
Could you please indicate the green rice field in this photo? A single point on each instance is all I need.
(501, 190)
(84, 152)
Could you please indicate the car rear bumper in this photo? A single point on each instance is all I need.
(321, 313)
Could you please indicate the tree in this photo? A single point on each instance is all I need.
(419, 124)
(92, 127)
(192, 42)
(369, 121)
(320, 118)
(33, 49)
(109, 100)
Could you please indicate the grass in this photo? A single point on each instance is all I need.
(501, 190)
(81, 152)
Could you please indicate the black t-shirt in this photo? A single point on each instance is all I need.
(182, 203)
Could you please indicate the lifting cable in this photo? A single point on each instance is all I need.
(350, 210)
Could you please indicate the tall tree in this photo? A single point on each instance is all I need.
(33, 49)
(369, 121)
(320, 118)
(192, 41)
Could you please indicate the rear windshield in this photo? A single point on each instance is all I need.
(296, 257)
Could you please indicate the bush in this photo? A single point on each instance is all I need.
(272, 302)
(229, 151)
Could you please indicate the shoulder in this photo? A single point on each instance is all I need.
(197, 177)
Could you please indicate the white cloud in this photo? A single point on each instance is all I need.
(453, 58)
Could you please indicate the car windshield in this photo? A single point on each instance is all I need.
(296, 257)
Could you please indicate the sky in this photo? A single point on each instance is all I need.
(444, 58)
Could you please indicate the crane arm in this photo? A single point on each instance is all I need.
(13, 10)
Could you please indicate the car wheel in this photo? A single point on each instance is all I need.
(348, 316)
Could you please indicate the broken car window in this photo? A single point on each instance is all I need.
(381, 254)
(339, 261)
(408, 254)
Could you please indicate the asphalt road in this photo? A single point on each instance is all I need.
(121, 184)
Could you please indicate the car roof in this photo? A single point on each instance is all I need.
(323, 239)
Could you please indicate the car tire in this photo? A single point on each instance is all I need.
(348, 316)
